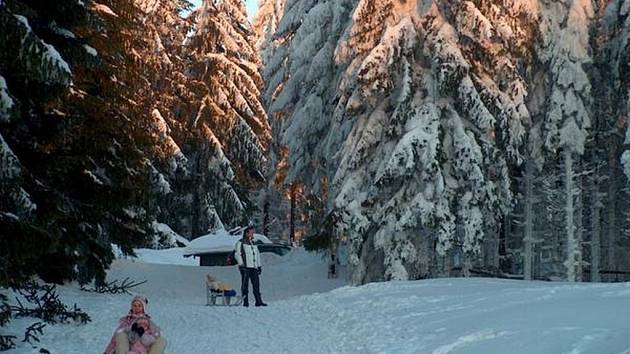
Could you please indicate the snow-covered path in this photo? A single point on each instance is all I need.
(437, 316)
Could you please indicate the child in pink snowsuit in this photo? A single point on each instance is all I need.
(136, 333)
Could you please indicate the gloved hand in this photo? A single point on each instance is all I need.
(139, 330)
(259, 270)
(132, 336)
(147, 339)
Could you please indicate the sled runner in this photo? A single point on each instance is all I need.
(216, 297)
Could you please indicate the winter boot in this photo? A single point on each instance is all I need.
(258, 298)
(245, 301)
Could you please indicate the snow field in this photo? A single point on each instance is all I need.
(309, 313)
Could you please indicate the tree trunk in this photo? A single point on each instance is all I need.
(195, 217)
(292, 197)
(595, 228)
(579, 209)
(528, 238)
(568, 211)
(333, 259)
(611, 222)
(496, 240)
(445, 264)
(466, 264)
(502, 245)
(266, 216)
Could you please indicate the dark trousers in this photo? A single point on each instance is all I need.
(248, 274)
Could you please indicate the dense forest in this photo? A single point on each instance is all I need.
(121, 120)
(426, 138)
(444, 138)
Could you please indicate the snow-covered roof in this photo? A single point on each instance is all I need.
(218, 241)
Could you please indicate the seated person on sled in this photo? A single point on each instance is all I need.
(136, 332)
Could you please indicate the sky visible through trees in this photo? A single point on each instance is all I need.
(252, 7)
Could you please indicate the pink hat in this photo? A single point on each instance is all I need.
(143, 300)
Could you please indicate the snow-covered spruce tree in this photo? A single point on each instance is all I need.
(470, 186)
(596, 153)
(169, 102)
(604, 140)
(565, 50)
(487, 69)
(229, 130)
(81, 148)
(300, 84)
(613, 57)
(301, 74)
(162, 57)
(32, 72)
(411, 144)
(599, 26)
(616, 29)
(130, 52)
(507, 39)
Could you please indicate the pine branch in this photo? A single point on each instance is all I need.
(7, 342)
(113, 287)
(48, 307)
(33, 331)
(5, 310)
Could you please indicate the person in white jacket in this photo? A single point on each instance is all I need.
(248, 259)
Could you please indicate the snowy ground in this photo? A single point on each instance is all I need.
(311, 314)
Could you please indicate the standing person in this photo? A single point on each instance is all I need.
(248, 259)
(128, 333)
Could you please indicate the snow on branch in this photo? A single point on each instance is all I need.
(103, 9)
(41, 58)
(6, 102)
(9, 163)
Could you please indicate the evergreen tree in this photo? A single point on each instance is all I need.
(612, 53)
(565, 49)
(299, 73)
(375, 123)
(75, 155)
(229, 129)
(169, 102)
